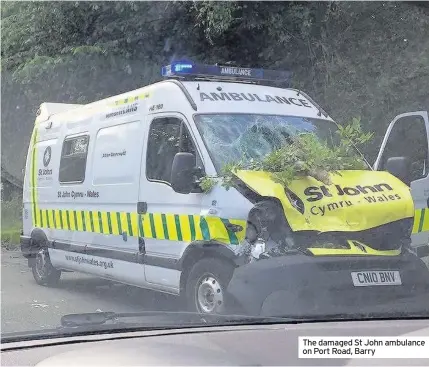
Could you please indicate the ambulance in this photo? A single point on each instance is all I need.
(113, 189)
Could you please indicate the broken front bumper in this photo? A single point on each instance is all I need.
(301, 285)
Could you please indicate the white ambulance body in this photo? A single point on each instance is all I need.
(98, 196)
(93, 169)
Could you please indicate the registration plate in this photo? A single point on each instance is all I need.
(376, 277)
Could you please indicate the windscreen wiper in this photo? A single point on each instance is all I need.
(161, 318)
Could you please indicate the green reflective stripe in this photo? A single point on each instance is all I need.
(91, 219)
(109, 223)
(164, 226)
(422, 220)
(152, 225)
(204, 229)
(55, 219)
(41, 218)
(233, 240)
(192, 227)
(178, 229)
(130, 224)
(82, 215)
(47, 219)
(118, 218)
(75, 220)
(100, 222)
(68, 219)
(61, 219)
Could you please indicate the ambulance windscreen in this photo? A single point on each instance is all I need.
(237, 137)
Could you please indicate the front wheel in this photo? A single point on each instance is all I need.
(206, 286)
(43, 271)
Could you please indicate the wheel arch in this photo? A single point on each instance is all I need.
(38, 238)
(203, 249)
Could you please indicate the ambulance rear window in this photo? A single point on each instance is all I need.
(73, 159)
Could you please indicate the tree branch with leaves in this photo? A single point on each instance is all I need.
(307, 155)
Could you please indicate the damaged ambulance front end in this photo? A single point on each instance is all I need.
(340, 249)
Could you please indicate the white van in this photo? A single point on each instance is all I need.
(111, 187)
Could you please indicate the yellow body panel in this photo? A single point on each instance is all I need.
(355, 201)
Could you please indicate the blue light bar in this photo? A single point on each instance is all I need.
(185, 69)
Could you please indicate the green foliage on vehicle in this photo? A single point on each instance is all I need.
(307, 155)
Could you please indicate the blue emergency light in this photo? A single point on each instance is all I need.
(190, 70)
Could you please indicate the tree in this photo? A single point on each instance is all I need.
(368, 59)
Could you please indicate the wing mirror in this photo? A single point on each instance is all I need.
(183, 173)
(399, 167)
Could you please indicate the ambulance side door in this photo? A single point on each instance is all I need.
(405, 153)
(168, 223)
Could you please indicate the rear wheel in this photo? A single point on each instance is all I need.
(43, 271)
(206, 286)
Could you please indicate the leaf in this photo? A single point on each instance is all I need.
(208, 183)
(307, 156)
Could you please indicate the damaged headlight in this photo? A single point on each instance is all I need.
(262, 249)
(268, 233)
(258, 248)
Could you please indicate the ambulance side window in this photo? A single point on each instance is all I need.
(167, 136)
(408, 138)
(73, 159)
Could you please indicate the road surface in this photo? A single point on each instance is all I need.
(27, 306)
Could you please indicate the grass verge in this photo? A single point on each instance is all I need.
(11, 222)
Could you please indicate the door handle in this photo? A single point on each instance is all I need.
(427, 203)
(141, 207)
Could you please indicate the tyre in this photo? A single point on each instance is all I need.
(206, 286)
(43, 271)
